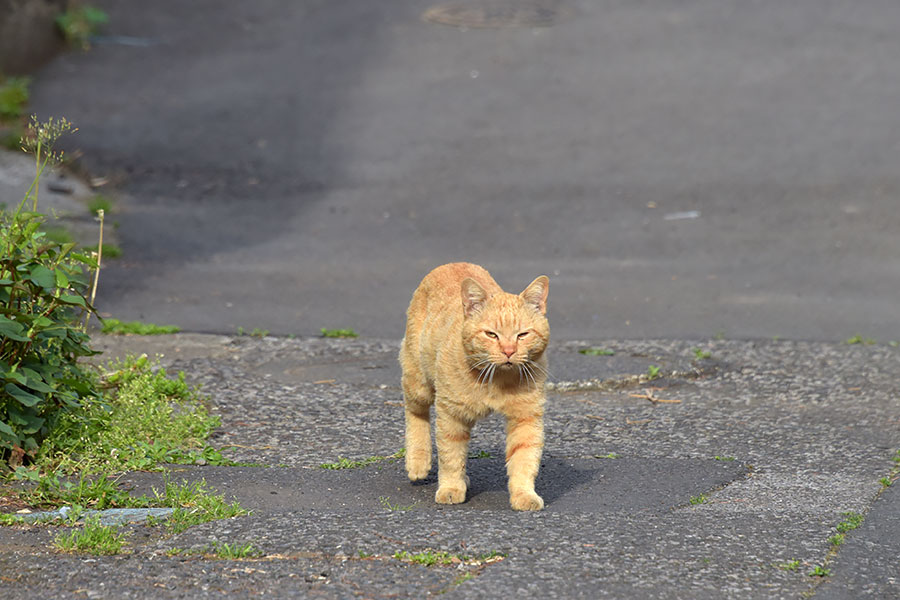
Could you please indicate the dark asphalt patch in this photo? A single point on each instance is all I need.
(567, 485)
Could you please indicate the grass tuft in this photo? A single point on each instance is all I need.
(92, 538)
(339, 333)
(117, 327)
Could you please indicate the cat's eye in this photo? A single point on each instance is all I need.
(522, 335)
(491, 335)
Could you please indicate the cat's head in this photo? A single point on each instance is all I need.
(506, 330)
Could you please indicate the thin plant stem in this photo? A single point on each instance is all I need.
(97, 270)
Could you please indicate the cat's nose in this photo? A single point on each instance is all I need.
(508, 352)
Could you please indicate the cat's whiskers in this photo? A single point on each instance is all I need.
(529, 373)
(544, 370)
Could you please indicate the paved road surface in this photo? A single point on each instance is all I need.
(679, 170)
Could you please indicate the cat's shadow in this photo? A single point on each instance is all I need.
(488, 481)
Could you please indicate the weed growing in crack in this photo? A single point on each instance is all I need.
(386, 502)
(851, 521)
(701, 499)
(595, 351)
(346, 463)
(789, 565)
(819, 571)
(92, 538)
(117, 327)
(339, 333)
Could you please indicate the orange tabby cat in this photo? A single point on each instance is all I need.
(472, 349)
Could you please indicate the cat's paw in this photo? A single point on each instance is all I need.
(526, 501)
(418, 471)
(450, 495)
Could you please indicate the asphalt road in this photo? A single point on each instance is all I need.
(732, 484)
(678, 169)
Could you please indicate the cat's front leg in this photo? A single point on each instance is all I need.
(453, 446)
(524, 445)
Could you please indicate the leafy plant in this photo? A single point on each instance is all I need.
(79, 23)
(653, 372)
(593, 351)
(819, 571)
(115, 326)
(13, 97)
(724, 458)
(851, 521)
(44, 288)
(701, 499)
(93, 538)
(790, 565)
(146, 418)
(339, 333)
(837, 539)
(858, 339)
(701, 354)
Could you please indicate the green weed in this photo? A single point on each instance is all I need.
(430, 558)
(701, 354)
(858, 339)
(11, 137)
(851, 521)
(236, 551)
(480, 454)
(837, 539)
(339, 333)
(386, 502)
(58, 235)
(346, 463)
(99, 202)
(109, 250)
(117, 327)
(92, 538)
(194, 503)
(701, 499)
(790, 565)
(144, 419)
(13, 97)
(653, 372)
(79, 23)
(819, 571)
(610, 455)
(593, 351)
(724, 458)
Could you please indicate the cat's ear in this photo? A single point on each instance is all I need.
(536, 294)
(473, 296)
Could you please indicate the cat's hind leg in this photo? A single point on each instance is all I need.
(418, 397)
(453, 447)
